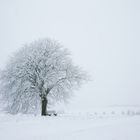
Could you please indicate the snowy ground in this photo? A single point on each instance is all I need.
(71, 126)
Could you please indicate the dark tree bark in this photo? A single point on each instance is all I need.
(44, 105)
(44, 102)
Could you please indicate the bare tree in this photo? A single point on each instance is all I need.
(41, 71)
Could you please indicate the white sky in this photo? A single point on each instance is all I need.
(102, 35)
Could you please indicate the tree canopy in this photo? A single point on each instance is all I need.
(42, 68)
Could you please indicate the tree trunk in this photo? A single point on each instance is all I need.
(44, 106)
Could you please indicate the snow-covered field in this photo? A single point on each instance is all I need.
(99, 125)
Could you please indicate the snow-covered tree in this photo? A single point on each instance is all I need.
(41, 72)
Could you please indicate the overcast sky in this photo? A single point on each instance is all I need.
(103, 37)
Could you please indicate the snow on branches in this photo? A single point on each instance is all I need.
(42, 68)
